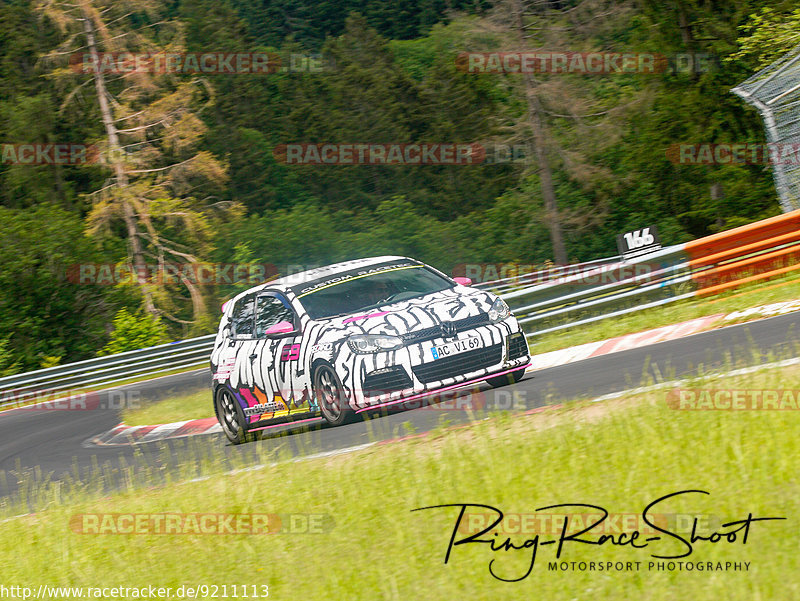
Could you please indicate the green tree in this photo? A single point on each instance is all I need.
(163, 184)
(768, 35)
(43, 311)
(134, 331)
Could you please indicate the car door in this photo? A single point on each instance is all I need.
(242, 351)
(277, 369)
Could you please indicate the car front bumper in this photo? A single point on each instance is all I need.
(412, 373)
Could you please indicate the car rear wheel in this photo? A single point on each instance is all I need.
(231, 417)
(330, 396)
(510, 378)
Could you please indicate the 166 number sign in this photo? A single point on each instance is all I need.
(638, 242)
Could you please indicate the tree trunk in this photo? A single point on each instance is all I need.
(540, 145)
(115, 158)
(717, 194)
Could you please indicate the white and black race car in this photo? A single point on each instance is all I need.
(355, 336)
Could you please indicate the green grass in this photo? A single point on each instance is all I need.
(620, 454)
(196, 405)
(748, 296)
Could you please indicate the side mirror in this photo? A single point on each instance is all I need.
(463, 281)
(282, 327)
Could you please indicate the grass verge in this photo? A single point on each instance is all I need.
(621, 455)
(196, 405)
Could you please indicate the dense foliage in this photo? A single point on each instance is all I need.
(386, 72)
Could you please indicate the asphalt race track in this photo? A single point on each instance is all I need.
(51, 444)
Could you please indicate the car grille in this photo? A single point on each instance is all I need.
(481, 319)
(517, 346)
(386, 380)
(422, 335)
(457, 365)
(462, 325)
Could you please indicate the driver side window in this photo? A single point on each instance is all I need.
(270, 311)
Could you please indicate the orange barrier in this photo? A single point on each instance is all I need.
(747, 249)
(754, 278)
(744, 235)
(739, 271)
(730, 252)
(746, 292)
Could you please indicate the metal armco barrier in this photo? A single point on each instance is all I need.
(47, 384)
(521, 279)
(602, 292)
(711, 265)
(564, 297)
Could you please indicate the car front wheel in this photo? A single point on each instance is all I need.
(330, 396)
(510, 378)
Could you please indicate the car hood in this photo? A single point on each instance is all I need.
(414, 315)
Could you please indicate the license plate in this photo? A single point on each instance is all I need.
(457, 346)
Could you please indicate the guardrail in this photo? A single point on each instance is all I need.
(529, 278)
(711, 265)
(645, 282)
(565, 297)
(47, 384)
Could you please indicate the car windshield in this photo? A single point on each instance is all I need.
(359, 291)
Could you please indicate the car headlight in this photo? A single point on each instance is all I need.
(499, 310)
(374, 343)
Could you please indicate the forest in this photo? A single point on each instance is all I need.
(179, 168)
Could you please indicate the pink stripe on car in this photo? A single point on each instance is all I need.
(358, 317)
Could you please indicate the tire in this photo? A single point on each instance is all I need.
(231, 417)
(330, 396)
(506, 379)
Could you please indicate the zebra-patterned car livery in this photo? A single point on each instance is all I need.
(353, 336)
